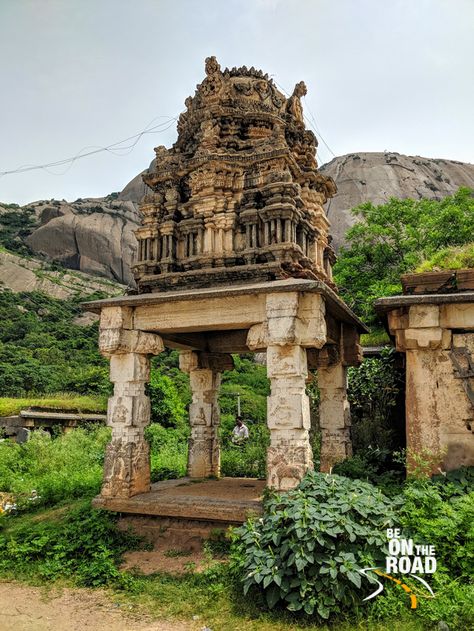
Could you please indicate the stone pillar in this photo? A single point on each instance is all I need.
(289, 454)
(294, 322)
(439, 344)
(334, 415)
(204, 417)
(127, 458)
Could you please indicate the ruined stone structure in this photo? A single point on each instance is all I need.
(238, 197)
(234, 257)
(436, 333)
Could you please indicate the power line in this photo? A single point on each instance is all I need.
(114, 148)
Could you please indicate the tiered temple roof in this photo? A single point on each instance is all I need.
(238, 198)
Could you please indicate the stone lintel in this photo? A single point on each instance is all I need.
(334, 305)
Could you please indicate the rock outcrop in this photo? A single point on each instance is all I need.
(91, 235)
(18, 273)
(376, 177)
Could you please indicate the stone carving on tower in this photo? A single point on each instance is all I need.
(238, 198)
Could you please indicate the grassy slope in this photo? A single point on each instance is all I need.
(62, 401)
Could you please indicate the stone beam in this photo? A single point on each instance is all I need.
(227, 312)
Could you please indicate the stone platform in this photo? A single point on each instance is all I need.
(227, 500)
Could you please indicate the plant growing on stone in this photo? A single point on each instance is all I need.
(306, 551)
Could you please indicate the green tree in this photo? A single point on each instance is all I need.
(392, 239)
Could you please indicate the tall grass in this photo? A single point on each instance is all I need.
(56, 469)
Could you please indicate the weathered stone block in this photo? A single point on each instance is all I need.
(428, 338)
(458, 316)
(188, 360)
(116, 318)
(119, 341)
(128, 411)
(311, 324)
(257, 337)
(397, 320)
(126, 469)
(289, 457)
(129, 367)
(335, 447)
(286, 361)
(423, 316)
(286, 410)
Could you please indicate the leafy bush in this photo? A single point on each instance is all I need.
(166, 406)
(394, 238)
(305, 552)
(82, 544)
(439, 514)
(169, 452)
(66, 467)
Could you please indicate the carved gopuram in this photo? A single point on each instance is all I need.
(234, 255)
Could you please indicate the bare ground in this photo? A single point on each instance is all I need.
(25, 608)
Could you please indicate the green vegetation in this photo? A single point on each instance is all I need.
(15, 225)
(42, 351)
(395, 238)
(449, 258)
(61, 401)
(314, 538)
(306, 551)
(52, 470)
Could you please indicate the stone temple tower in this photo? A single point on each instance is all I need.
(238, 197)
(234, 257)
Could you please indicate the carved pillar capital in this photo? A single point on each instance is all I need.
(292, 318)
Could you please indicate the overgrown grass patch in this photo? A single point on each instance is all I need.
(53, 469)
(10, 406)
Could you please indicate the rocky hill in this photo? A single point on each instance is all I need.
(95, 236)
(19, 273)
(91, 235)
(375, 177)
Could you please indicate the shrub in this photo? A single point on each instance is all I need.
(305, 552)
(166, 406)
(440, 514)
(66, 467)
(82, 544)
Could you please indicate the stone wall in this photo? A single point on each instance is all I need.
(438, 340)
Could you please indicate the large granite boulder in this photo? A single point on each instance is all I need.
(94, 236)
(376, 177)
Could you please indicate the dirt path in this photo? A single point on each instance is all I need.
(24, 608)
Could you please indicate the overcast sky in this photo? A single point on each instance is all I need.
(391, 75)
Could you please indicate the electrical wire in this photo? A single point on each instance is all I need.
(114, 148)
